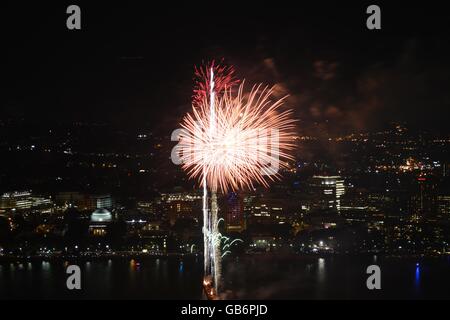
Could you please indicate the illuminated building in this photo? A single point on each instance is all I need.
(263, 242)
(152, 226)
(268, 209)
(84, 201)
(446, 169)
(182, 196)
(265, 208)
(329, 190)
(443, 205)
(155, 236)
(41, 202)
(177, 205)
(146, 206)
(103, 201)
(101, 215)
(234, 213)
(424, 200)
(16, 200)
(100, 219)
(135, 219)
(23, 200)
(66, 199)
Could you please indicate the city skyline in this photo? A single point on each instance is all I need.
(359, 140)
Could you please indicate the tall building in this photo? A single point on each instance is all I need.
(329, 190)
(267, 209)
(446, 169)
(443, 201)
(423, 201)
(443, 204)
(234, 213)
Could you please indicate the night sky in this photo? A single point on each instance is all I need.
(133, 64)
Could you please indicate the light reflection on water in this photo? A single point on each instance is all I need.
(417, 276)
(321, 269)
(181, 267)
(166, 278)
(46, 267)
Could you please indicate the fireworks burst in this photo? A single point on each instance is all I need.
(244, 139)
(224, 79)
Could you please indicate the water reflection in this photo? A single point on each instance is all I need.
(181, 268)
(417, 276)
(173, 278)
(321, 270)
(46, 266)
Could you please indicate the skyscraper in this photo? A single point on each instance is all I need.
(234, 213)
(329, 190)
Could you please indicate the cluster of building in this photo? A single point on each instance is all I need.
(384, 192)
(322, 214)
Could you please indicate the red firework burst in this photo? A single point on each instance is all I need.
(224, 79)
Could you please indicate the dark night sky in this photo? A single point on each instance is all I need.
(132, 64)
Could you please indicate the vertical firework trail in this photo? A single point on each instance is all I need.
(210, 224)
(206, 219)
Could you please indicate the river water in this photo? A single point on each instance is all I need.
(252, 277)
